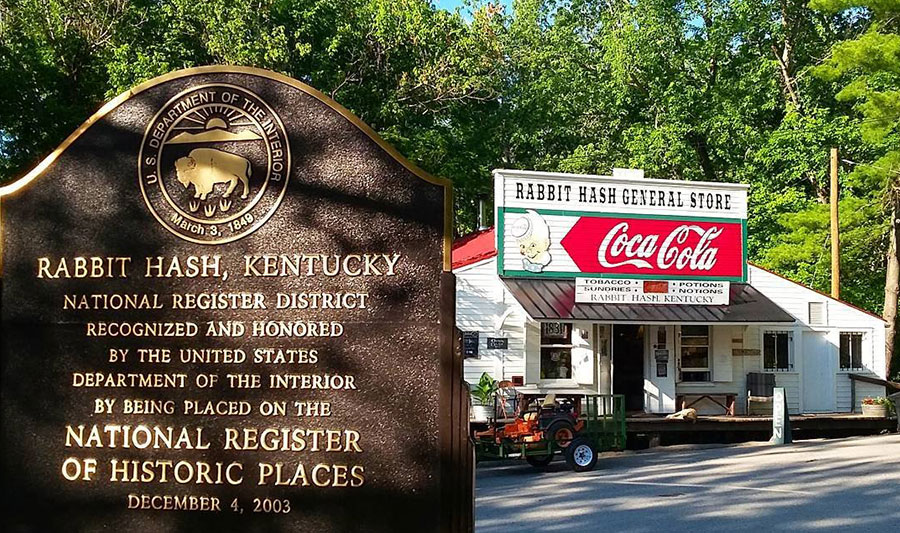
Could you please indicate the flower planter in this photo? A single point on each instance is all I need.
(877, 410)
(481, 413)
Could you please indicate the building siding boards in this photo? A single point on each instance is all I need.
(533, 350)
(790, 381)
(746, 364)
(483, 298)
(862, 390)
(794, 298)
(481, 303)
(721, 357)
(839, 317)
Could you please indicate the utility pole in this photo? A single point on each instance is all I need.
(835, 240)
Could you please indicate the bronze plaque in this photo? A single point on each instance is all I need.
(225, 307)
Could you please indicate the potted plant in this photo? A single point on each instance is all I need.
(878, 406)
(484, 393)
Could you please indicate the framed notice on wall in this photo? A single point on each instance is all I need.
(470, 343)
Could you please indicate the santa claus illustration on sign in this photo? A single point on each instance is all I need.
(533, 236)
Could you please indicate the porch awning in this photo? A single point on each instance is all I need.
(555, 299)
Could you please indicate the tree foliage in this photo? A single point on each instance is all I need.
(869, 64)
(752, 91)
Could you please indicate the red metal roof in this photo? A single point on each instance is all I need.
(473, 248)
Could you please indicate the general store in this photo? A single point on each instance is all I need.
(627, 285)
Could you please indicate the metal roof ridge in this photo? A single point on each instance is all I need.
(830, 297)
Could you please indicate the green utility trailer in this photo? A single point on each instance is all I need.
(576, 426)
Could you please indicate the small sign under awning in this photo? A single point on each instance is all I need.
(497, 343)
(637, 291)
(554, 300)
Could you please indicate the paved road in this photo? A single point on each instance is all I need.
(822, 485)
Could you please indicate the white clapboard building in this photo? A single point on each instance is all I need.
(641, 287)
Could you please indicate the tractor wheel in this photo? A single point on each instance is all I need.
(561, 432)
(581, 456)
(539, 461)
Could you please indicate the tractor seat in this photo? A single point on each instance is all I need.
(550, 402)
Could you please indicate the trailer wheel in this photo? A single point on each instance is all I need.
(560, 432)
(581, 456)
(539, 461)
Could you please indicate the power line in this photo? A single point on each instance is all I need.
(879, 167)
(880, 119)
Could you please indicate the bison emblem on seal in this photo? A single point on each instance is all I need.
(205, 167)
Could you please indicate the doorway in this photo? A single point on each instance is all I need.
(628, 365)
(818, 373)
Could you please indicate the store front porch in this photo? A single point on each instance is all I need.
(648, 430)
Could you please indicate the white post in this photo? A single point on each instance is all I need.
(781, 421)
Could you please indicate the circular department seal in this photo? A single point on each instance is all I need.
(214, 163)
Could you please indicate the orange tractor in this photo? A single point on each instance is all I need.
(578, 426)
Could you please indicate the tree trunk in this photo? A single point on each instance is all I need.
(784, 54)
(892, 285)
(787, 78)
(698, 141)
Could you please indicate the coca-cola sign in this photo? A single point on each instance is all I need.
(656, 247)
(622, 226)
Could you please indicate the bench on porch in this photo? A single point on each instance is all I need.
(725, 401)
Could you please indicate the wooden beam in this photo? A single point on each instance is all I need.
(874, 381)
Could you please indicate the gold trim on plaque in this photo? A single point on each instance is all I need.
(258, 221)
(262, 73)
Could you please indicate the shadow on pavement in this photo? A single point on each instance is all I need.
(846, 485)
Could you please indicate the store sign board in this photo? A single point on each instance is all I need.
(557, 225)
(636, 291)
(627, 246)
(781, 420)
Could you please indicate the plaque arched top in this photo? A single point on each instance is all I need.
(41, 167)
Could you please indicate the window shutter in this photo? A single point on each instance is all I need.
(721, 348)
(817, 314)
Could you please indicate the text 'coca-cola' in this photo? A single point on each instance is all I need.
(656, 247)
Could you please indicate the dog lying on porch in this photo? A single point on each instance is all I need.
(685, 414)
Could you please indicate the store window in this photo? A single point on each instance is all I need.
(695, 353)
(778, 351)
(851, 351)
(556, 350)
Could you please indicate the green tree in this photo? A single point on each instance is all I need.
(717, 90)
(871, 63)
(424, 78)
(53, 57)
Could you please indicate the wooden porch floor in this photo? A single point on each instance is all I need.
(648, 423)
